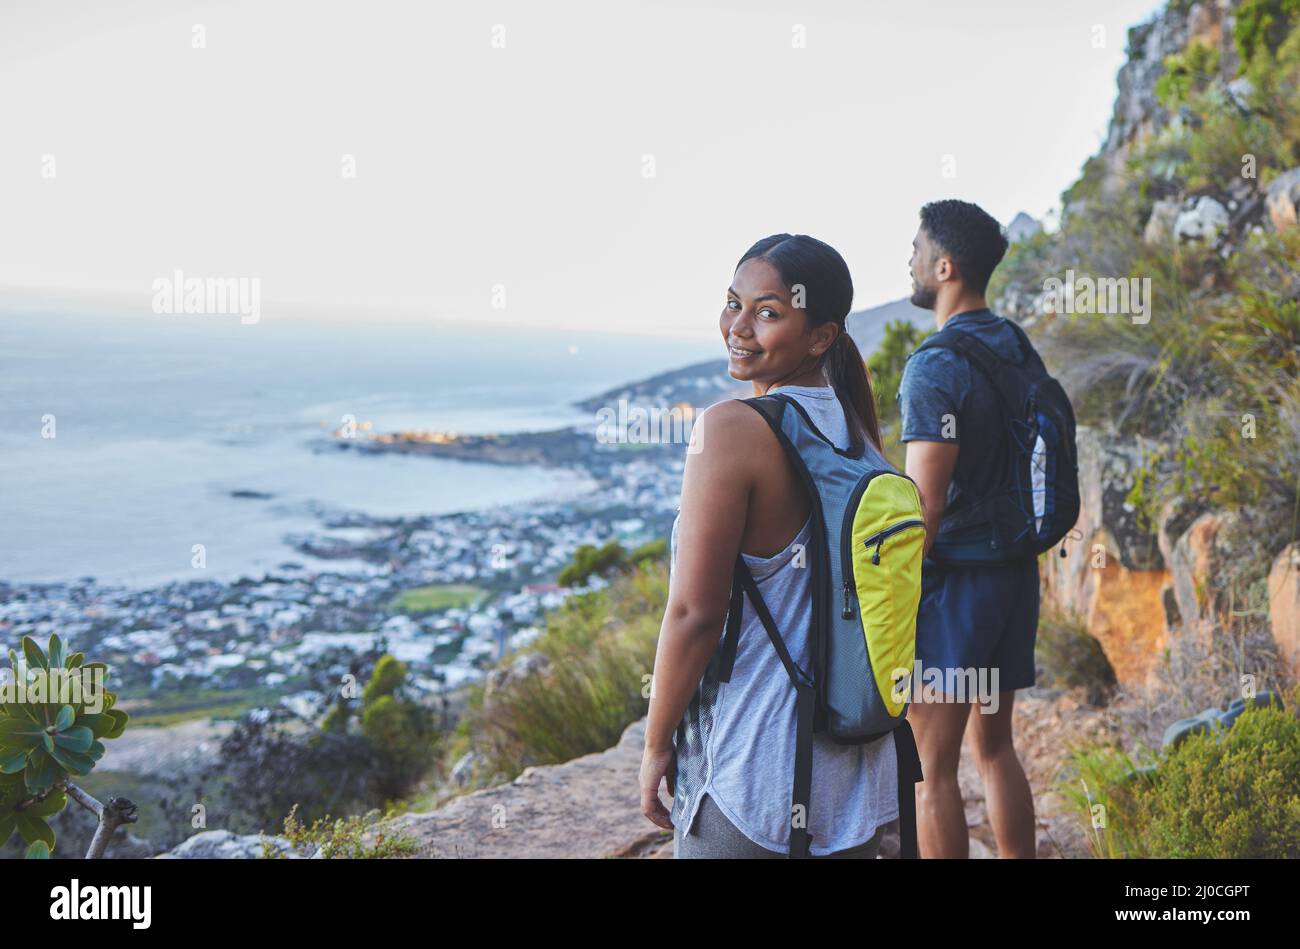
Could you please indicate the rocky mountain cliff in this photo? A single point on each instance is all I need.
(1196, 189)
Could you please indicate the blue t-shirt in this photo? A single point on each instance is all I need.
(942, 398)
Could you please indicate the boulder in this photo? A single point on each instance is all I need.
(1284, 606)
(467, 767)
(1282, 200)
(1202, 560)
(590, 807)
(1214, 721)
(224, 845)
(1175, 518)
(1160, 225)
(1203, 219)
(521, 667)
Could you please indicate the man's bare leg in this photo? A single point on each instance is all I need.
(1007, 795)
(940, 815)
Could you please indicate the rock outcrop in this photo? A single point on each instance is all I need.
(1138, 113)
(1114, 576)
(587, 807)
(1284, 606)
(1137, 591)
(1282, 200)
(1199, 556)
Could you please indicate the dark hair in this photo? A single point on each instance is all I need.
(969, 235)
(827, 296)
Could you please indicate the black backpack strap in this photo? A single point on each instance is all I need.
(727, 658)
(801, 793)
(1031, 358)
(805, 694)
(797, 675)
(978, 354)
(909, 773)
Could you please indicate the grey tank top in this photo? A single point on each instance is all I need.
(736, 740)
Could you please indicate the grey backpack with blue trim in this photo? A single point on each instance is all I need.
(865, 556)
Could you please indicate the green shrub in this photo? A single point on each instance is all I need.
(362, 753)
(1261, 27)
(1068, 657)
(1186, 73)
(656, 549)
(401, 730)
(1236, 797)
(1228, 794)
(343, 838)
(1089, 184)
(1275, 80)
(600, 646)
(1224, 135)
(588, 560)
(388, 675)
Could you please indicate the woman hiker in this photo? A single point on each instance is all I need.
(727, 749)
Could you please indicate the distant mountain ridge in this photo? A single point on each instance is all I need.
(867, 327)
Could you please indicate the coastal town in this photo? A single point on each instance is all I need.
(447, 594)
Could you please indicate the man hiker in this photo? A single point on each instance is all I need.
(978, 613)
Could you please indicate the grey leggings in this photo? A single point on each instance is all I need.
(712, 836)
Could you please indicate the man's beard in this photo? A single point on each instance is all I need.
(925, 298)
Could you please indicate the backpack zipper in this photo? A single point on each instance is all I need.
(846, 533)
(889, 532)
(878, 539)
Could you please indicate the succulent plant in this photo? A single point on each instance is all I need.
(44, 743)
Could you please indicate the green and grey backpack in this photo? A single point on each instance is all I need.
(865, 556)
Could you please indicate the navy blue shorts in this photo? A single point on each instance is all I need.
(979, 616)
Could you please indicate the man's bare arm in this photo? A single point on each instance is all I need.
(930, 465)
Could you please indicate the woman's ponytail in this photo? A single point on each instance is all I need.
(848, 376)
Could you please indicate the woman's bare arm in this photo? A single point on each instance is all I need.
(720, 474)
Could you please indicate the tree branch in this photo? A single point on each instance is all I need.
(114, 814)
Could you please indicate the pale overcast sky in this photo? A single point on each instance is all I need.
(524, 166)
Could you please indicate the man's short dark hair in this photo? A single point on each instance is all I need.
(969, 235)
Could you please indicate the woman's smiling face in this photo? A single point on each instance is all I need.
(767, 336)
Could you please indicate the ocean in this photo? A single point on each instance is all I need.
(157, 419)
